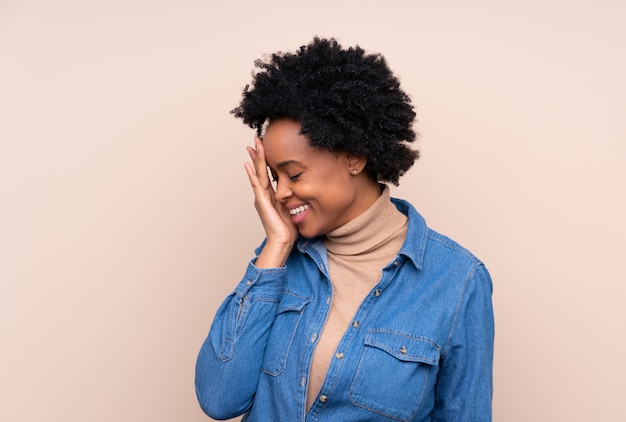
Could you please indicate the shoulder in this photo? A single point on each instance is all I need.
(451, 248)
(428, 248)
(444, 254)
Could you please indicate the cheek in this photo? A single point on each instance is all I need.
(328, 190)
(336, 198)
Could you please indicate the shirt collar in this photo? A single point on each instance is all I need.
(414, 245)
(413, 248)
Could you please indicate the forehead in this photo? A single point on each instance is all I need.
(282, 128)
(284, 144)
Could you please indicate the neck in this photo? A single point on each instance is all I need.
(369, 192)
(369, 230)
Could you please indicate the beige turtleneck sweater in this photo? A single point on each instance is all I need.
(357, 253)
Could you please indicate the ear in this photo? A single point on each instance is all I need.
(355, 163)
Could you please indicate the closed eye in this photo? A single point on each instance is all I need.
(295, 177)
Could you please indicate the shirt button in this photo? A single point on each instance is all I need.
(403, 350)
(376, 292)
(355, 324)
(395, 264)
(313, 337)
(339, 355)
(323, 398)
(248, 282)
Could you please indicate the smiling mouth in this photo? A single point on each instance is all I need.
(299, 210)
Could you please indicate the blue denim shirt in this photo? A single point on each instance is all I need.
(420, 347)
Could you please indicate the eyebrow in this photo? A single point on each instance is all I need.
(286, 163)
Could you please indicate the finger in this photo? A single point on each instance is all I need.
(263, 200)
(261, 192)
(260, 164)
(254, 156)
(260, 167)
(260, 171)
(252, 176)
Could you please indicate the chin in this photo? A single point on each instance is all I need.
(309, 234)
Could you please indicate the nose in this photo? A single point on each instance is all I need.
(283, 191)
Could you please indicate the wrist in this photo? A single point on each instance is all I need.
(273, 255)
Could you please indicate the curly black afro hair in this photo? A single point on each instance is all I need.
(344, 99)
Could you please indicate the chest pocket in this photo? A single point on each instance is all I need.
(396, 370)
(283, 331)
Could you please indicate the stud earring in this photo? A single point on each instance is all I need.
(354, 171)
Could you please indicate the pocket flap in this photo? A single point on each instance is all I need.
(290, 302)
(404, 346)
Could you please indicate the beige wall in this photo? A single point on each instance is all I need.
(125, 214)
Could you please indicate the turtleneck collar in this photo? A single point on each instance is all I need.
(369, 230)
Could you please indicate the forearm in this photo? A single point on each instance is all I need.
(230, 359)
(465, 381)
(273, 255)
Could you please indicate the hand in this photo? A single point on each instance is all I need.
(280, 231)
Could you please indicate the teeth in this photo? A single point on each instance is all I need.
(298, 210)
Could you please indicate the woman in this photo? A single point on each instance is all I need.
(352, 308)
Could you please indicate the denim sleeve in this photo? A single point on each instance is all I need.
(464, 387)
(229, 362)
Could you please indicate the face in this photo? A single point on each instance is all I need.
(317, 186)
